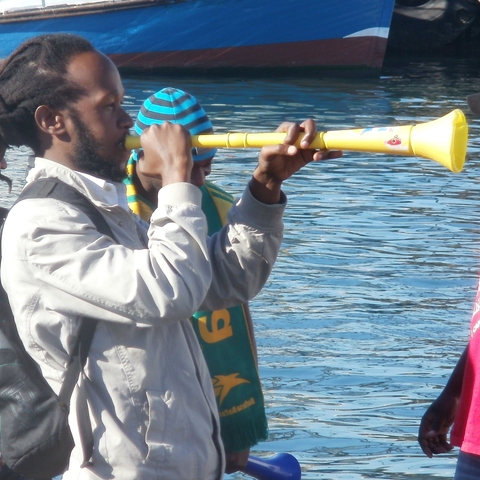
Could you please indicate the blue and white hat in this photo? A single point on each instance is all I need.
(176, 106)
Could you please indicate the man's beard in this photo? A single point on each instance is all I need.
(86, 155)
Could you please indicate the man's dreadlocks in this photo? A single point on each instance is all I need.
(33, 75)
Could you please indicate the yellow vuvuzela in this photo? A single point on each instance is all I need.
(443, 140)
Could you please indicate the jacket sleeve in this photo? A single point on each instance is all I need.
(242, 254)
(66, 266)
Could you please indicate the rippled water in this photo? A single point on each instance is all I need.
(368, 307)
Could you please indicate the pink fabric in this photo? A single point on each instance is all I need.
(466, 429)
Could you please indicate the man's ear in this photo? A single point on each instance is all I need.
(50, 120)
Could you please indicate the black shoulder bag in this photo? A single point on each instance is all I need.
(35, 438)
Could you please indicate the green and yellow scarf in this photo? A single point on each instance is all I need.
(225, 340)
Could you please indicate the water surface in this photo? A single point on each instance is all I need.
(368, 306)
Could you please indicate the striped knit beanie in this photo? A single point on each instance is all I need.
(176, 106)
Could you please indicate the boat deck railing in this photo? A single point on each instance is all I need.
(15, 11)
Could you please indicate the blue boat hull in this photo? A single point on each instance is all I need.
(219, 33)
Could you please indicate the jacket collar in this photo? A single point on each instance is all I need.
(101, 192)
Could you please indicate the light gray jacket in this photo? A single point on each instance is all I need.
(150, 396)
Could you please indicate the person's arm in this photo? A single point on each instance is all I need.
(277, 163)
(439, 417)
(82, 272)
(236, 461)
(242, 254)
(59, 249)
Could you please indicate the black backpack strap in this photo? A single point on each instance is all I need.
(54, 188)
(3, 215)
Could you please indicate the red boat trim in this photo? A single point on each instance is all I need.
(360, 51)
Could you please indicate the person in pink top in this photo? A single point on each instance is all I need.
(459, 402)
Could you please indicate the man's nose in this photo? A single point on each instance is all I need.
(125, 119)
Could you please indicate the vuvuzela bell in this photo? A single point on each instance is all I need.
(443, 140)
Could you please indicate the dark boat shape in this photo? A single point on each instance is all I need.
(207, 34)
(427, 25)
